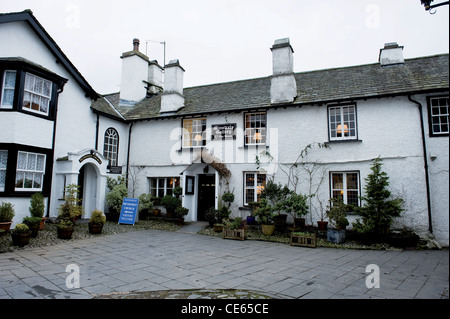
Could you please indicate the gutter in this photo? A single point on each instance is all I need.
(128, 151)
(425, 160)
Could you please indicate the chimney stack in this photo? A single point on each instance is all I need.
(391, 54)
(172, 98)
(283, 88)
(133, 86)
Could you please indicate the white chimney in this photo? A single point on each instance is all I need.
(391, 54)
(155, 81)
(283, 86)
(133, 87)
(172, 98)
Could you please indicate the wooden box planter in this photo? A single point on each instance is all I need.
(238, 234)
(304, 239)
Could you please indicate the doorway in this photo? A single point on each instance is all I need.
(206, 194)
(87, 182)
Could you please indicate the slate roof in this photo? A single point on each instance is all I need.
(418, 75)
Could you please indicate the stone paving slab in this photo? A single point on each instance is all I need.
(153, 260)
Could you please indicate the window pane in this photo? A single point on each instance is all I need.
(19, 179)
(22, 161)
(352, 181)
(3, 159)
(31, 163)
(338, 182)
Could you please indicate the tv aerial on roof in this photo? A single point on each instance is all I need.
(159, 42)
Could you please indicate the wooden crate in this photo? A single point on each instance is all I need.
(238, 234)
(304, 240)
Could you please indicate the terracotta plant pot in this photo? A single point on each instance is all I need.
(42, 225)
(5, 226)
(322, 225)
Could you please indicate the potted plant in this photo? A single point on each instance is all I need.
(233, 229)
(65, 229)
(114, 200)
(20, 235)
(96, 222)
(322, 224)
(6, 215)
(180, 212)
(265, 215)
(296, 205)
(252, 218)
(145, 206)
(156, 202)
(338, 218)
(33, 223)
(276, 194)
(211, 215)
(380, 208)
(72, 198)
(170, 203)
(37, 208)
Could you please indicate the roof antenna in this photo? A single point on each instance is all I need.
(160, 42)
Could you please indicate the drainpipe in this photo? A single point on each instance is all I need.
(96, 132)
(128, 151)
(425, 160)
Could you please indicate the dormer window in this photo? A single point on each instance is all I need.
(37, 94)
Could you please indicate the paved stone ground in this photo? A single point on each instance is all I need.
(154, 263)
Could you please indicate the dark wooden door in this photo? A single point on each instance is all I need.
(206, 194)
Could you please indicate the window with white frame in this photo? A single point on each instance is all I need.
(37, 94)
(254, 184)
(439, 119)
(342, 122)
(194, 132)
(30, 171)
(255, 128)
(9, 84)
(346, 186)
(162, 186)
(111, 146)
(3, 163)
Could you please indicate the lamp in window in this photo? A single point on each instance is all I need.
(257, 137)
(198, 138)
(339, 129)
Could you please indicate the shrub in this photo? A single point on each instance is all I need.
(6, 212)
(337, 214)
(32, 221)
(37, 205)
(170, 203)
(379, 208)
(145, 202)
(65, 224)
(97, 217)
(114, 198)
(21, 229)
(180, 212)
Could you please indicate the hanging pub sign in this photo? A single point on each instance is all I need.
(223, 131)
(128, 211)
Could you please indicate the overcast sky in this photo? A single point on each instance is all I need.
(228, 40)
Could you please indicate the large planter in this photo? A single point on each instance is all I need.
(95, 228)
(303, 239)
(218, 228)
(20, 239)
(250, 220)
(336, 236)
(179, 221)
(280, 221)
(238, 234)
(65, 233)
(267, 229)
(5, 226)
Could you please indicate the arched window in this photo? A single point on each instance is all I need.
(111, 146)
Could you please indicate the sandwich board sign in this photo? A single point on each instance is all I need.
(128, 211)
